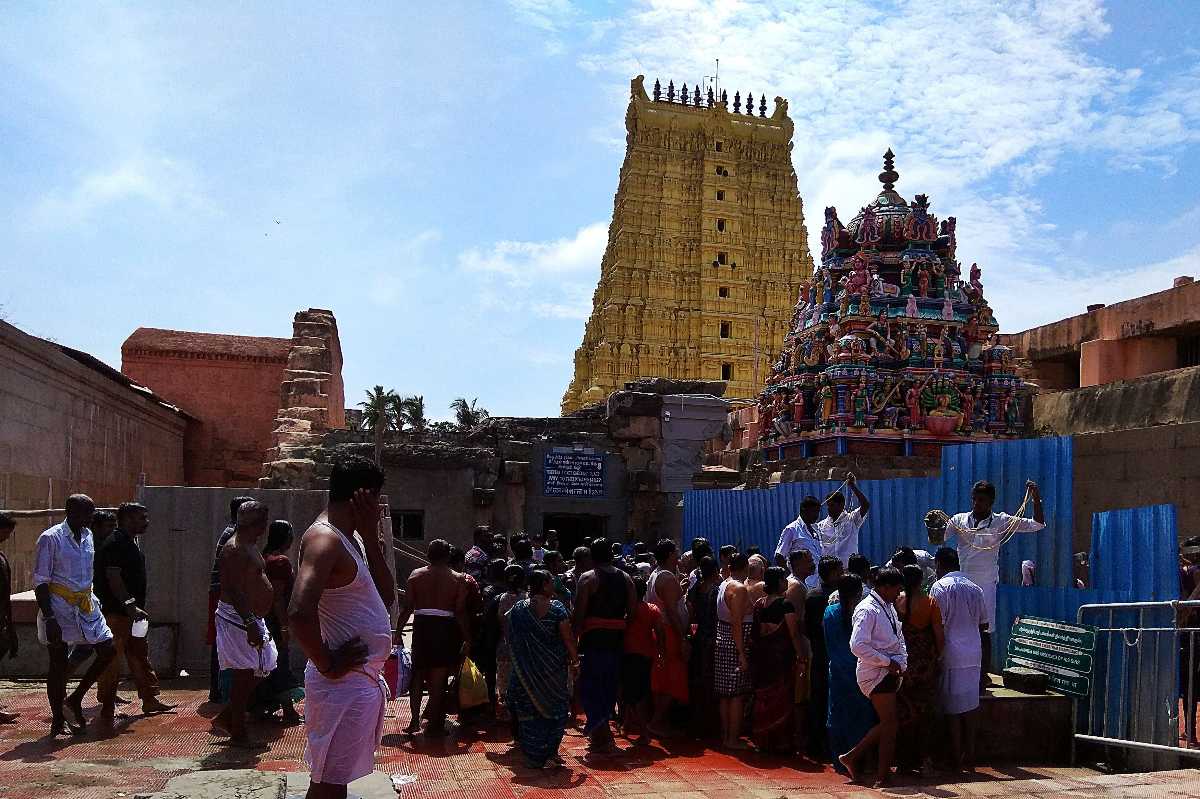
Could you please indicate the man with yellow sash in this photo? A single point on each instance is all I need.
(69, 612)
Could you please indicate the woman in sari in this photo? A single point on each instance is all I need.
(850, 714)
(775, 642)
(924, 639)
(542, 646)
(702, 610)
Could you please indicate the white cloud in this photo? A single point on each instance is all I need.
(979, 103)
(549, 279)
(549, 17)
(162, 182)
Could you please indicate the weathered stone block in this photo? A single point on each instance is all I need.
(515, 472)
(311, 359)
(634, 403)
(634, 427)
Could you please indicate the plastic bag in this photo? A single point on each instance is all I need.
(398, 672)
(472, 687)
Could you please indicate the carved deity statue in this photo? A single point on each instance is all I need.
(797, 406)
(920, 225)
(859, 277)
(860, 400)
(910, 308)
(923, 282)
(869, 232)
(906, 279)
(947, 230)
(864, 302)
(912, 399)
(831, 231)
(947, 309)
(1012, 414)
(966, 398)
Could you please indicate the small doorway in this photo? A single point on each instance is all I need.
(573, 528)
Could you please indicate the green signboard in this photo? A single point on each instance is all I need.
(1061, 651)
(1076, 636)
(1061, 680)
(1051, 654)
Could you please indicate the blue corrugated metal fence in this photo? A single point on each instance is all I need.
(898, 506)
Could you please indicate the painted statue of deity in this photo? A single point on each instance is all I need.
(947, 230)
(920, 225)
(906, 279)
(825, 405)
(869, 232)
(947, 309)
(864, 302)
(844, 308)
(797, 406)
(910, 308)
(860, 401)
(1012, 414)
(939, 278)
(966, 400)
(912, 399)
(903, 345)
(923, 282)
(880, 334)
(831, 232)
(937, 354)
(826, 287)
(859, 277)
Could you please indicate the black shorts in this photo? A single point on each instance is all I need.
(888, 685)
(635, 678)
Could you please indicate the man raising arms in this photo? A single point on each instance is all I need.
(243, 644)
(339, 617)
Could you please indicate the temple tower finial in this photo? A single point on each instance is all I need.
(889, 175)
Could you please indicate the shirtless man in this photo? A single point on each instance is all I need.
(441, 634)
(243, 644)
(339, 616)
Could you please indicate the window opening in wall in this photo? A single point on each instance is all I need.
(719, 146)
(722, 291)
(720, 225)
(722, 257)
(1188, 351)
(720, 194)
(726, 371)
(408, 525)
(726, 329)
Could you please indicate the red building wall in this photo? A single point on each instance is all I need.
(229, 384)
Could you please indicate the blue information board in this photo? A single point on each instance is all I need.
(570, 473)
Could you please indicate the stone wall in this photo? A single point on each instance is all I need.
(1157, 399)
(70, 424)
(229, 384)
(1131, 468)
(311, 401)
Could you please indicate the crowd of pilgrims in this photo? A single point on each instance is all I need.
(830, 660)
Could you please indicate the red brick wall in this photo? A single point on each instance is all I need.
(235, 402)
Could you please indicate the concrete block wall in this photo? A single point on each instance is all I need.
(1131, 468)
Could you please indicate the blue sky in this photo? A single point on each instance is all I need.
(443, 174)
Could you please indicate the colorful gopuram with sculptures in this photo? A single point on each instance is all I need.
(891, 349)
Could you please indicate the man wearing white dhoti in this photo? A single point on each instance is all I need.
(339, 616)
(838, 532)
(980, 534)
(244, 647)
(68, 611)
(964, 617)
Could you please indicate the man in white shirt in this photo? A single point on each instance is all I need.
(838, 532)
(801, 535)
(961, 604)
(877, 640)
(980, 534)
(70, 612)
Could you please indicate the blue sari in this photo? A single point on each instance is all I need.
(851, 715)
(537, 690)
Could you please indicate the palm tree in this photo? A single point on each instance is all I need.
(396, 411)
(378, 418)
(412, 413)
(467, 414)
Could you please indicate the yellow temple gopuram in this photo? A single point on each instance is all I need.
(706, 249)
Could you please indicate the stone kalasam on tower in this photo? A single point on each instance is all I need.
(706, 250)
(891, 350)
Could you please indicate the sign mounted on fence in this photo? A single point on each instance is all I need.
(573, 473)
(1061, 651)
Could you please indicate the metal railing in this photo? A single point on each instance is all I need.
(1142, 649)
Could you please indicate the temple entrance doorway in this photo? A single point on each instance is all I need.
(573, 528)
